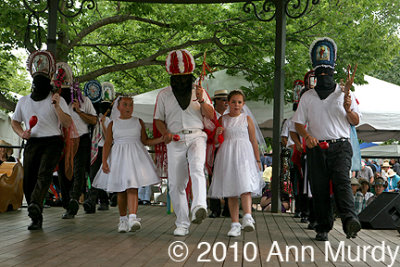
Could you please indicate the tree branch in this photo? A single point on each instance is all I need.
(111, 20)
(149, 61)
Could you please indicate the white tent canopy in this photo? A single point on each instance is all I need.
(378, 104)
(383, 151)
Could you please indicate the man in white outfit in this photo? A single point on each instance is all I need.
(179, 111)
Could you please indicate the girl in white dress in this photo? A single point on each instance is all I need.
(126, 163)
(237, 164)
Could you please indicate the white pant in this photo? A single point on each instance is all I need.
(184, 156)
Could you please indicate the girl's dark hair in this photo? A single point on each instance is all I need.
(123, 96)
(236, 92)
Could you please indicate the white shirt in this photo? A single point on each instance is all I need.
(86, 107)
(325, 119)
(48, 123)
(176, 119)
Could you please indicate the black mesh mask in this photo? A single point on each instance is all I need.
(182, 89)
(41, 87)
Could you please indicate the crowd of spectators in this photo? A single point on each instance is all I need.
(374, 178)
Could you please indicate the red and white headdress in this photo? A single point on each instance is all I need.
(180, 62)
(41, 62)
(63, 76)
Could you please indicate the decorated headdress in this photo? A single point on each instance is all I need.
(108, 92)
(323, 53)
(298, 85)
(310, 79)
(41, 62)
(180, 62)
(63, 77)
(93, 91)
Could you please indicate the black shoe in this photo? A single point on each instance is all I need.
(312, 225)
(35, 213)
(36, 223)
(89, 207)
(146, 202)
(323, 236)
(213, 215)
(114, 200)
(140, 202)
(352, 227)
(103, 206)
(304, 220)
(226, 213)
(67, 215)
(297, 215)
(73, 206)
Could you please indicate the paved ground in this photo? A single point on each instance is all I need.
(93, 240)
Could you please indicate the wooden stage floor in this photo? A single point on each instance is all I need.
(93, 240)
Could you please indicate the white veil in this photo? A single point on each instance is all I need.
(114, 111)
(262, 146)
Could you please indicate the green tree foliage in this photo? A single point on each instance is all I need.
(126, 43)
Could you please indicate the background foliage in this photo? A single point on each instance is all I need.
(126, 43)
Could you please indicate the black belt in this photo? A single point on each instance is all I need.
(335, 140)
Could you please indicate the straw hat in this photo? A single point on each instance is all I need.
(220, 94)
(386, 164)
(391, 173)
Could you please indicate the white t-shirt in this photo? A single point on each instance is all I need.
(48, 123)
(87, 107)
(325, 119)
(176, 119)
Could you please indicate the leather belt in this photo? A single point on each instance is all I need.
(189, 131)
(336, 140)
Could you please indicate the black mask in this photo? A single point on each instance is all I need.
(325, 83)
(41, 87)
(66, 94)
(182, 89)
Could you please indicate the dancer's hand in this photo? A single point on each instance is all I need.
(75, 106)
(311, 141)
(219, 130)
(105, 168)
(26, 134)
(56, 100)
(199, 93)
(168, 138)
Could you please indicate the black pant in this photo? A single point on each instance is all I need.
(41, 156)
(325, 165)
(73, 189)
(95, 193)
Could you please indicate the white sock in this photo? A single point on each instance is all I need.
(247, 216)
(133, 216)
(235, 224)
(123, 218)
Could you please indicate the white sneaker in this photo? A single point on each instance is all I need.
(134, 224)
(199, 214)
(235, 231)
(181, 231)
(123, 226)
(248, 224)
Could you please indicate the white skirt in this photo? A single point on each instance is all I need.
(130, 167)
